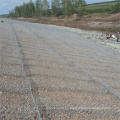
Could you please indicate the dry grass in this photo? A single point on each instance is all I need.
(100, 22)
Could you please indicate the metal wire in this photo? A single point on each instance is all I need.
(56, 78)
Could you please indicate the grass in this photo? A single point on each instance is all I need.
(4, 15)
(100, 7)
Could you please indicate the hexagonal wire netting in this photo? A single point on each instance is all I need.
(54, 79)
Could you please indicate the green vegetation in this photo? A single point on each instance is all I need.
(42, 8)
(4, 15)
(116, 8)
(26, 10)
(63, 7)
(105, 7)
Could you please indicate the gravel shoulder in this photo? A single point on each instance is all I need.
(95, 36)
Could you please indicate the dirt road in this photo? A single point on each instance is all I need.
(51, 73)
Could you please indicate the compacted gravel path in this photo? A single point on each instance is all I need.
(52, 73)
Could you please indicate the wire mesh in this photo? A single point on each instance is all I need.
(53, 78)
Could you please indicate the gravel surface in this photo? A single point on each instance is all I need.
(57, 73)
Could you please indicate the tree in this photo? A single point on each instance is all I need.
(79, 3)
(39, 7)
(12, 13)
(31, 8)
(79, 6)
(17, 11)
(67, 7)
(45, 6)
(23, 10)
(55, 5)
(26, 10)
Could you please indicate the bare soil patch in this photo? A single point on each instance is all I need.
(100, 22)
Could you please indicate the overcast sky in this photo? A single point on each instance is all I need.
(6, 5)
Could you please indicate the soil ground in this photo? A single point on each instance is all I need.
(100, 22)
(90, 26)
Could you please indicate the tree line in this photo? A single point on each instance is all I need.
(42, 8)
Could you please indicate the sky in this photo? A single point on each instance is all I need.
(6, 5)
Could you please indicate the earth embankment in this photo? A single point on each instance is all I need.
(54, 73)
